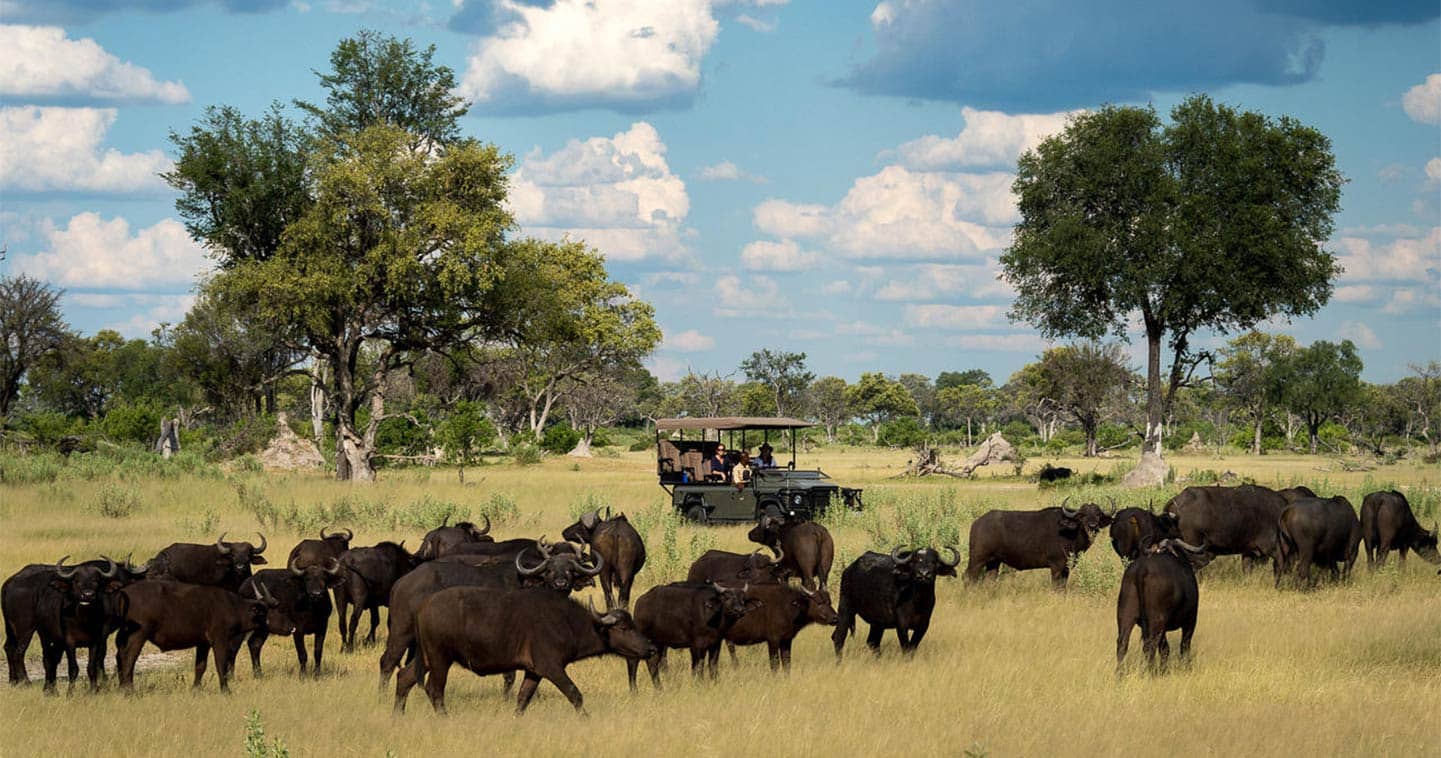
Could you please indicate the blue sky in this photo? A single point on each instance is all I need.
(827, 177)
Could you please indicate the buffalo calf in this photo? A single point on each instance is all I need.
(688, 615)
(1159, 594)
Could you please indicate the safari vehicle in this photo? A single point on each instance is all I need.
(682, 461)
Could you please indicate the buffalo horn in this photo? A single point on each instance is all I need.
(486, 530)
(1114, 507)
(520, 567)
(776, 548)
(1069, 513)
(589, 518)
(809, 593)
(269, 598)
(294, 569)
(221, 546)
(1188, 547)
(596, 562)
(133, 569)
(62, 571)
(112, 569)
(543, 546)
(263, 544)
(896, 554)
(255, 590)
(334, 567)
(956, 561)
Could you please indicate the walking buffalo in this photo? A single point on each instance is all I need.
(496, 632)
(443, 540)
(783, 612)
(1317, 530)
(303, 599)
(316, 552)
(896, 591)
(1133, 528)
(806, 547)
(176, 615)
(1230, 520)
(224, 564)
(722, 566)
(368, 575)
(1387, 524)
(1159, 594)
(689, 615)
(1023, 540)
(619, 544)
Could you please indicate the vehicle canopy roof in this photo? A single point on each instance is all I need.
(731, 423)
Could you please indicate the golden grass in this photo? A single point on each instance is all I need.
(1011, 669)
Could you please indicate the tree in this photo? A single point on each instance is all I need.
(1215, 221)
(1250, 374)
(783, 373)
(1322, 381)
(30, 328)
(829, 403)
(968, 402)
(920, 387)
(596, 403)
(464, 434)
(879, 399)
(973, 376)
(1421, 392)
(233, 358)
(1085, 380)
(1379, 412)
(701, 395)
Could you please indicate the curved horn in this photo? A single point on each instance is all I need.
(809, 593)
(589, 518)
(221, 546)
(486, 530)
(64, 572)
(1187, 546)
(1068, 512)
(956, 561)
(607, 513)
(334, 568)
(896, 554)
(263, 544)
(780, 554)
(292, 568)
(111, 570)
(1114, 507)
(444, 522)
(522, 570)
(133, 569)
(596, 563)
(543, 546)
(265, 591)
(255, 590)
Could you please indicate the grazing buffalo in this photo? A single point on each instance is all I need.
(806, 547)
(1133, 528)
(1387, 524)
(317, 552)
(368, 574)
(1230, 520)
(615, 540)
(1292, 494)
(784, 611)
(1317, 530)
(689, 615)
(224, 564)
(896, 591)
(496, 632)
(69, 607)
(1049, 473)
(721, 566)
(303, 600)
(1024, 540)
(1159, 594)
(561, 572)
(176, 615)
(443, 540)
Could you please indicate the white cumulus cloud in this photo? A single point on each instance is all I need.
(1412, 258)
(1360, 334)
(59, 149)
(726, 171)
(41, 63)
(999, 343)
(786, 255)
(93, 253)
(1423, 102)
(939, 281)
(689, 341)
(990, 139)
(755, 297)
(961, 317)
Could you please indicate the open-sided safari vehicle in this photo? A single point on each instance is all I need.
(703, 494)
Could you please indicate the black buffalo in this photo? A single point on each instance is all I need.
(176, 615)
(69, 607)
(317, 552)
(1230, 520)
(224, 564)
(722, 566)
(1387, 524)
(496, 632)
(1159, 594)
(690, 615)
(443, 540)
(1049, 473)
(1292, 494)
(369, 573)
(303, 599)
(1316, 530)
(783, 612)
(616, 541)
(806, 547)
(896, 591)
(1024, 540)
(1133, 528)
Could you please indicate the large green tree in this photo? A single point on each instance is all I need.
(878, 399)
(1086, 381)
(1322, 381)
(783, 374)
(1250, 373)
(828, 402)
(1215, 221)
(30, 328)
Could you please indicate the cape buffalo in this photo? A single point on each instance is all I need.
(1033, 540)
(689, 615)
(1291, 494)
(368, 575)
(615, 540)
(1134, 527)
(316, 552)
(1230, 520)
(721, 566)
(896, 591)
(1317, 530)
(176, 615)
(224, 564)
(496, 632)
(1387, 524)
(302, 596)
(1159, 594)
(442, 540)
(806, 547)
(1049, 473)
(784, 611)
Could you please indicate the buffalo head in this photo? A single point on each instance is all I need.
(561, 571)
(818, 608)
(265, 612)
(241, 555)
(731, 601)
(760, 567)
(317, 579)
(86, 583)
(924, 564)
(621, 637)
(1425, 543)
(339, 540)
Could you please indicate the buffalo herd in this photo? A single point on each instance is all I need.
(504, 606)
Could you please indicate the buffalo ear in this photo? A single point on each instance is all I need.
(944, 570)
(753, 604)
(1068, 524)
(59, 584)
(258, 560)
(712, 604)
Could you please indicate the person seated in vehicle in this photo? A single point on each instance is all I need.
(718, 468)
(765, 459)
(741, 472)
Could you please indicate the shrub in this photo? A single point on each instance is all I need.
(118, 502)
(132, 422)
(525, 454)
(903, 432)
(559, 439)
(641, 444)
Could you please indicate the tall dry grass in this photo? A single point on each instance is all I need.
(1007, 669)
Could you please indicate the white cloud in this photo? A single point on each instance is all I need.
(689, 341)
(990, 139)
(40, 62)
(786, 255)
(755, 297)
(1360, 334)
(159, 309)
(938, 281)
(725, 171)
(1406, 299)
(953, 316)
(1423, 102)
(616, 193)
(667, 369)
(92, 253)
(837, 287)
(755, 24)
(1356, 293)
(1000, 343)
(58, 149)
(620, 54)
(1411, 258)
(1433, 172)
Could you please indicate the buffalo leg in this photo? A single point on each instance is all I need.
(127, 651)
(342, 604)
(50, 655)
(785, 646)
(653, 665)
(918, 632)
(625, 582)
(873, 639)
(1165, 649)
(775, 654)
(95, 664)
(15, 644)
(572, 693)
(299, 638)
(256, 643)
(507, 681)
(435, 677)
(731, 646)
(72, 667)
(319, 644)
(1059, 575)
(1187, 630)
(374, 624)
(225, 663)
(404, 681)
(1382, 552)
(713, 659)
(975, 571)
(631, 665)
(605, 587)
(697, 662)
(1401, 555)
(904, 641)
(845, 624)
(1123, 642)
(527, 691)
(201, 651)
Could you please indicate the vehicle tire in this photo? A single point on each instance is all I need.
(697, 514)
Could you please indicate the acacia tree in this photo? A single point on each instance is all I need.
(1085, 381)
(1421, 392)
(1250, 372)
(829, 404)
(784, 374)
(1322, 381)
(30, 328)
(1214, 221)
(879, 399)
(971, 402)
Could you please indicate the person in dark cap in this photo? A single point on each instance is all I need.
(765, 459)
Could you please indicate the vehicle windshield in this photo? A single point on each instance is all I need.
(797, 474)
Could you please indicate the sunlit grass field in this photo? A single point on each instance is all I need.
(1013, 669)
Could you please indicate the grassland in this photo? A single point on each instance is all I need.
(1011, 669)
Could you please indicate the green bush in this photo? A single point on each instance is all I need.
(132, 422)
(117, 502)
(903, 432)
(600, 438)
(47, 427)
(525, 454)
(641, 444)
(559, 439)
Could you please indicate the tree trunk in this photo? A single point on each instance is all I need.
(830, 434)
(317, 397)
(1256, 438)
(1090, 440)
(1314, 430)
(582, 448)
(876, 432)
(968, 432)
(1154, 404)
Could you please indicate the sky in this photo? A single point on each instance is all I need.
(823, 176)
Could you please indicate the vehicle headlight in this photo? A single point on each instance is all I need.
(796, 500)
